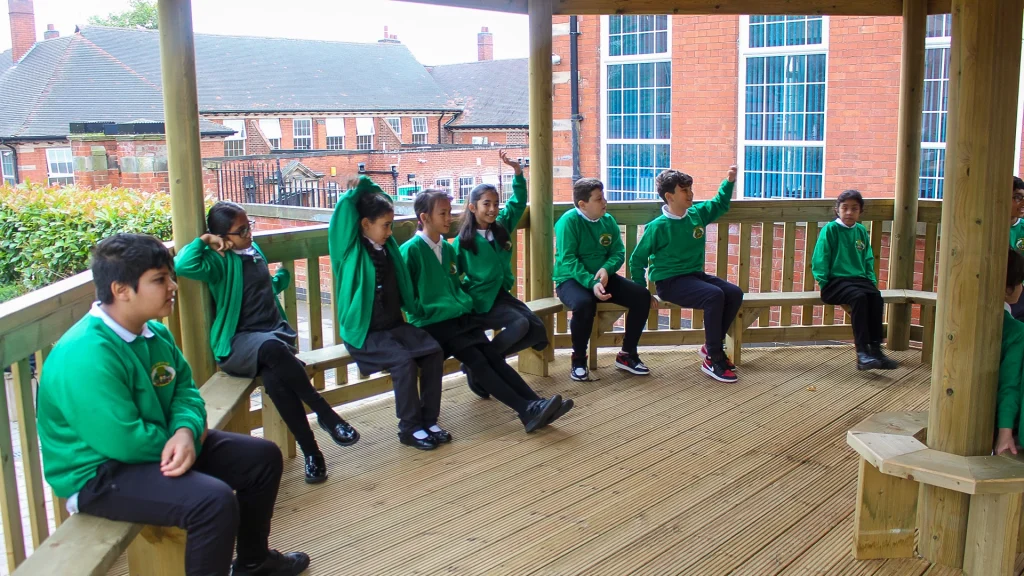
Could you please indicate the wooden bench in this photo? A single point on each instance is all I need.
(895, 461)
(85, 545)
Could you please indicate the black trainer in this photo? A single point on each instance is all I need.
(718, 370)
(631, 363)
(728, 361)
(276, 564)
(539, 412)
(885, 362)
(316, 469)
(579, 371)
(473, 385)
(866, 361)
(566, 405)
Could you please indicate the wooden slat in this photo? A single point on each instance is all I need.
(24, 400)
(90, 544)
(722, 251)
(173, 323)
(527, 289)
(316, 315)
(810, 240)
(928, 284)
(341, 375)
(728, 7)
(788, 265)
(291, 309)
(744, 268)
(14, 536)
(514, 237)
(876, 244)
(767, 255)
(675, 318)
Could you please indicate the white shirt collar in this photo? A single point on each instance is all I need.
(374, 244)
(250, 251)
(840, 222)
(585, 217)
(668, 214)
(436, 247)
(121, 331)
(486, 233)
(1017, 221)
(1007, 307)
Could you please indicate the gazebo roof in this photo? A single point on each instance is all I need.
(704, 7)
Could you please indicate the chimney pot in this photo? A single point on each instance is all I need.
(23, 27)
(50, 33)
(484, 45)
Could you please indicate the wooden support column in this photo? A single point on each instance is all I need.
(984, 73)
(903, 240)
(542, 222)
(992, 530)
(181, 123)
(885, 517)
(157, 551)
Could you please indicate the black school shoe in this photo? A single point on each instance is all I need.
(866, 361)
(472, 384)
(342, 433)
(631, 363)
(885, 363)
(442, 437)
(539, 413)
(316, 469)
(276, 564)
(408, 439)
(566, 405)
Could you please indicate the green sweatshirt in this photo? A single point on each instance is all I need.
(583, 247)
(223, 274)
(436, 284)
(353, 268)
(1017, 235)
(843, 252)
(675, 246)
(1011, 374)
(102, 398)
(490, 268)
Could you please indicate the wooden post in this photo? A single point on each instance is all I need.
(903, 239)
(542, 224)
(885, 517)
(157, 551)
(274, 428)
(992, 528)
(984, 73)
(181, 122)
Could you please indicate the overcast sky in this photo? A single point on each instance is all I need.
(436, 35)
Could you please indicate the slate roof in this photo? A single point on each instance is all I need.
(114, 74)
(5, 60)
(494, 93)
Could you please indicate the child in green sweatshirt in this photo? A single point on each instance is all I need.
(446, 315)
(844, 268)
(484, 249)
(1017, 233)
(1011, 362)
(250, 335)
(122, 426)
(673, 247)
(373, 287)
(588, 253)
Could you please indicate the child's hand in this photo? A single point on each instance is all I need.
(513, 163)
(602, 276)
(654, 302)
(1005, 442)
(600, 293)
(218, 244)
(731, 176)
(179, 453)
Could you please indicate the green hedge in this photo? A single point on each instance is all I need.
(46, 233)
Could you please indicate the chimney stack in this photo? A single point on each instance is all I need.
(484, 45)
(23, 27)
(388, 38)
(50, 33)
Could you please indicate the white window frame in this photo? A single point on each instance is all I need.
(443, 183)
(364, 139)
(741, 95)
(306, 139)
(51, 162)
(506, 186)
(418, 136)
(480, 140)
(464, 187)
(938, 42)
(607, 60)
(335, 130)
(273, 136)
(234, 145)
(5, 176)
(396, 124)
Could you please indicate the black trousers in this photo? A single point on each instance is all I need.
(719, 300)
(493, 374)
(406, 351)
(1017, 309)
(583, 304)
(866, 307)
(286, 382)
(520, 327)
(227, 496)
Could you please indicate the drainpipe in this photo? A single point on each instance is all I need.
(574, 72)
(14, 159)
(439, 118)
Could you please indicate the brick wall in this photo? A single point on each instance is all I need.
(32, 161)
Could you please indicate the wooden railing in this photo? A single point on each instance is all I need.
(31, 324)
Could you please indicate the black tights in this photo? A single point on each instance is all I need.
(286, 382)
(493, 374)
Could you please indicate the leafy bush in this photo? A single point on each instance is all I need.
(46, 233)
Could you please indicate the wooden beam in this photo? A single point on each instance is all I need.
(984, 73)
(513, 6)
(185, 173)
(736, 7)
(541, 152)
(992, 530)
(885, 517)
(903, 239)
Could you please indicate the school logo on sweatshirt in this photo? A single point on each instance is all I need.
(698, 232)
(507, 246)
(162, 374)
(860, 245)
(452, 269)
(1019, 245)
(606, 239)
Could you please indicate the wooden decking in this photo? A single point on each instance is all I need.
(671, 474)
